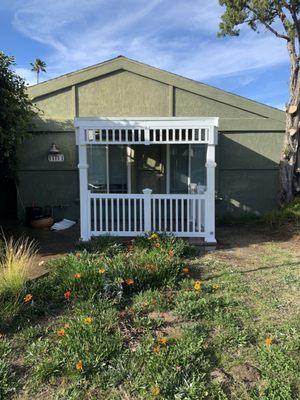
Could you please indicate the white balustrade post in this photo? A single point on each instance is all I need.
(210, 222)
(147, 209)
(85, 231)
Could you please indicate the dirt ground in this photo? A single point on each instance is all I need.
(236, 244)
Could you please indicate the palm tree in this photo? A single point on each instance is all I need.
(38, 66)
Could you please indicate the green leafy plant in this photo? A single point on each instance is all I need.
(16, 114)
(289, 214)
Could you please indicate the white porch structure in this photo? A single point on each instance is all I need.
(190, 214)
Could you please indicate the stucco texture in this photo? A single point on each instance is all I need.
(250, 136)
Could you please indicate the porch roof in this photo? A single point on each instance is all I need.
(146, 130)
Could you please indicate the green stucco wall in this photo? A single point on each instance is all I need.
(247, 154)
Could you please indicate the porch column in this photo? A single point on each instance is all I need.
(210, 195)
(147, 209)
(85, 232)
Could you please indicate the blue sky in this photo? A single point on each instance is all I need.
(179, 36)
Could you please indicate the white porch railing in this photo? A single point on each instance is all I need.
(183, 215)
(190, 215)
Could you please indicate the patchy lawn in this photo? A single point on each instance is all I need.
(153, 320)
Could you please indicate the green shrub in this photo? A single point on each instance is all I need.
(289, 214)
(102, 244)
(180, 247)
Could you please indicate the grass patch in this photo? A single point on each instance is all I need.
(142, 321)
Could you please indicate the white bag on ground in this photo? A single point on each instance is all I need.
(63, 224)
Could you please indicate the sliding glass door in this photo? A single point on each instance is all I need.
(187, 171)
(175, 168)
(107, 172)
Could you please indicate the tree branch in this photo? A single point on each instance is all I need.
(268, 26)
(293, 13)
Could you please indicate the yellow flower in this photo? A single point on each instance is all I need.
(101, 270)
(129, 281)
(156, 349)
(79, 365)
(28, 298)
(61, 332)
(163, 340)
(88, 320)
(185, 270)
(197, 285)
(154, 236)
(268, 341)
(155, 391)
(215, 286)
(77, 276)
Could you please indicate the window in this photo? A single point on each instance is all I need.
(179, 168)
(187, 168)
(97, 171)
(107, 172)
(198, 160)
(117, 169)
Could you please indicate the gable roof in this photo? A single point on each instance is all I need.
(123, 63)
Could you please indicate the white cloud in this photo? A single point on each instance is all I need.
(27, 74)
(280, 106)
(180, 37)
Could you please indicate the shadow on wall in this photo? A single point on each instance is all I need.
(246, 177)
(247, 180)
(51, 185)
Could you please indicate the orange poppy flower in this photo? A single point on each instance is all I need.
(101, 270)
(129, 281)
(157, 244)
(79, 365)
(185, 270)
(77, 254)
(163, 340)
(88, 320)
(156, 349)
(77, 276)
(67, 294)
(155, 391)
(61, 332)
(28, 298)
(268, 341)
